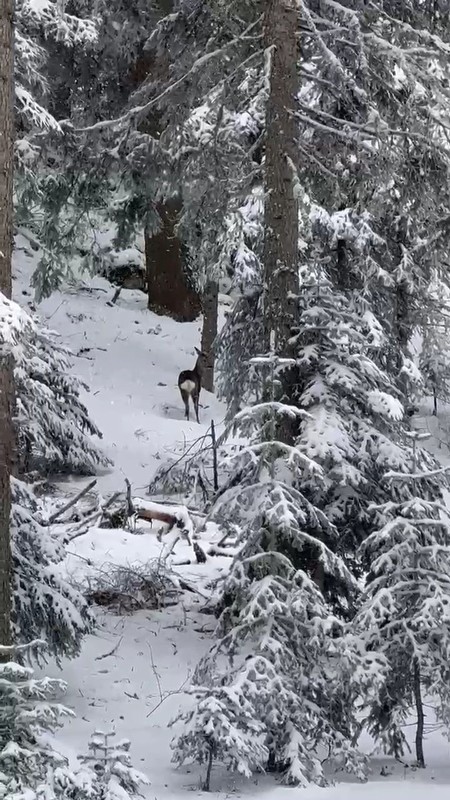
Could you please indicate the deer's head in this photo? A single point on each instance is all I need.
(201, 360)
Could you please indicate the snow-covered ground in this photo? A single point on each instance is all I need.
(130, 676)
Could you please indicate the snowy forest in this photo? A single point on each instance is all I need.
(224, 399)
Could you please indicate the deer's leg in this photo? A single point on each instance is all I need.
(195, 397)
(185, 397)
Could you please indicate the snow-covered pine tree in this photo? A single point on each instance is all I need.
(44, 602)
(370, 147)
(30, 709)
(6, 365)
(405, 611)
(434, 348)
(37, 24)
(39, 134)
(435, 367)
(221, 727)
(110, 774)
(282, 679)
(354, 427)
(53, 424)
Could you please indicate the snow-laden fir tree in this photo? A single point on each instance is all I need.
(53, 424)
(355, 426)
(221, 727)
(371, 110)
(44, 602)
(37, 24)
(41, 180)
(30, 710)
(14, 323)
(435, 367)
(405, 610)
(434, 348)
(110, 774)
(280, 688)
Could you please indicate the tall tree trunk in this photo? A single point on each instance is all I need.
(169, 291)
(281, 224)
(210, 304)
(420, 715)
(281, 205)
(6, 375)
(207, 782)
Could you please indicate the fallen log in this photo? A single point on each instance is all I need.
(154, 515)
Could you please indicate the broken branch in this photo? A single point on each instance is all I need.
(53, 517)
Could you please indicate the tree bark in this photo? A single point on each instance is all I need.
(420, 715)
(281, 227)
(169, 291)
(210, 305)
(207, 782)
(6, 373)
(435, 402)
(281, 224)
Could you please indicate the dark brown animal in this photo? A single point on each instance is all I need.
(190, 383)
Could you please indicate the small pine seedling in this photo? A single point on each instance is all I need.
(112, 776)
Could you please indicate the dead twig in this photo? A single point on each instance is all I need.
(130, 506)
(188, 587)
(111, 652)
(53, 517)
(165, 696)
(214, 446)
(82, 529)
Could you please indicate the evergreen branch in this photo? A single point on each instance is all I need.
(139, 111)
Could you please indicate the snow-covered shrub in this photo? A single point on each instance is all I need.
(54, 427)
(125, 268)
(108, 773)
(44, 603)
(30, 767)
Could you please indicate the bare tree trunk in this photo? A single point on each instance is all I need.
(281, 225)
(281, 205)
(420, 715)
(210, 304)
(6, 374)
(207, 782)
(169, 291)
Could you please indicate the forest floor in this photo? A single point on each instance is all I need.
(132, 672)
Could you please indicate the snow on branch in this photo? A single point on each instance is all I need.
(14, 322)
(37, 115)
(414, 476)
(55, 22)
(272, 407)
(199, 63)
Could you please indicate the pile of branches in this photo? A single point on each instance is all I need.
(124, 590)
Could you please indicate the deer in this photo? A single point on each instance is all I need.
(190, 383)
